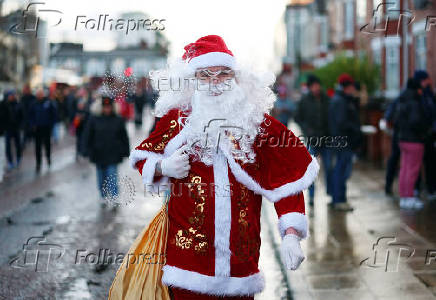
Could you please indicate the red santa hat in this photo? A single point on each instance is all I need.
(208, 51)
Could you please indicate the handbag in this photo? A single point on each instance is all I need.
(139, 276)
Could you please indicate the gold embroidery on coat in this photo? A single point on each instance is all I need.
(246, 246)
(146, 145)
(181, 241)
(194, 234)
(166, 137)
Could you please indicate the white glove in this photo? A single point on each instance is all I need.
(176, 165)
(291, 251)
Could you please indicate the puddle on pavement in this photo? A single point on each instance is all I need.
(78, 290)
(63, 219)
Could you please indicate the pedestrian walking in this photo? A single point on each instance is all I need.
(13, 119)
(413, 128)
(344, 123)
(312, 117)
(57, 126)
(139, 99)
(106, 144)
(429, 102)
(284, 107)
(27, 100)
(42, 119)
(2, 139)
(71, 98)
(79, 123)
(394, 158)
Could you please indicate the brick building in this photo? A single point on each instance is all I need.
(398, 35)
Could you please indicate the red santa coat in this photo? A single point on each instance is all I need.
(214, 213)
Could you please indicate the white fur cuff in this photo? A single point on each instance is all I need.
(296, 220)
(149, 169)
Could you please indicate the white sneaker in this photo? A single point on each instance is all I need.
(403, 202)
(406, 202)
(417, 203)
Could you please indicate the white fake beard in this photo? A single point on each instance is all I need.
(214, 119)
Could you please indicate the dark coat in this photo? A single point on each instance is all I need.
(42, 114)
(312, 115)
(12, 115)
(411, 117)
(344, 119)
(27, 101)
(105, 140)
(2, 119)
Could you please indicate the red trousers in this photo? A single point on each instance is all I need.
(182, 294)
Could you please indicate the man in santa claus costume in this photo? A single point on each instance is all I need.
(218, 152)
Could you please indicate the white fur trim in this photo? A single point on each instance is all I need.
(213, 59)
(137, 155)
(213, 285)
(223, 214)
(276, 194)
(149, 167)
(293, 219)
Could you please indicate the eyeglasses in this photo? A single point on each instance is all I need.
(220, 74)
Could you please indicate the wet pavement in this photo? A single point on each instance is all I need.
(60, 209)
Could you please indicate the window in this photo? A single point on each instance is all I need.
(376, 56)
(95, 67)
(349, 20)
(324, 31)
(420, 4)
(421, 51)
(118, 65)
(376, 47)
(361, 11)
(392, 70)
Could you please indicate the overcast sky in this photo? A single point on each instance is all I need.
(248, 27)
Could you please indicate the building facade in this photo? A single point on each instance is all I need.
(70, 56)
(397, 35)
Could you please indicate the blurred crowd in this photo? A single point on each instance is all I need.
(331, 127)
(329, 120)
(92, 115)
